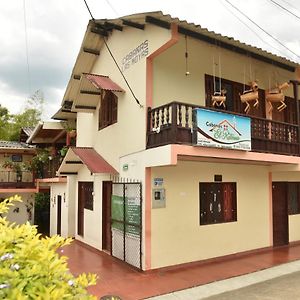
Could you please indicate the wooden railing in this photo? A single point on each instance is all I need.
(13, 179)
(50, 168)
(172, 123)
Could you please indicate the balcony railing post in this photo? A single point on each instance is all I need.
(174, 123)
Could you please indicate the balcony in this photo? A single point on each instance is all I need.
(172, 124)
(48, 169)
(12, 179)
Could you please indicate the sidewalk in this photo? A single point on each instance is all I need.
(118, 278)
(281, 288)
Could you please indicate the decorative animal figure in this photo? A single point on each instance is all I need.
(250, 95)
(276, 95)
(219, 98)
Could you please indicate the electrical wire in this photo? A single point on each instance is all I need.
(254, 32)
(89, 10)
(289, 4)
(112, 56)
(267, 33)
(26, 49)
(113, 9)
(284, 8)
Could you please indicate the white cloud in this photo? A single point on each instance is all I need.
(55, 30)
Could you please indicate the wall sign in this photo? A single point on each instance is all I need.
(135, 55)
(158, 181)
(221, 130)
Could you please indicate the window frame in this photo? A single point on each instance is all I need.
(108, 110)
(211, 209)
(293, 208)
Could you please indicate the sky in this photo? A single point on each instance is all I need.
(54, 29)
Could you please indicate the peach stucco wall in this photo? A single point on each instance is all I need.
(177, 237)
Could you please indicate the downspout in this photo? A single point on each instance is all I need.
(295, 84)
(149, 101)
(149, 64)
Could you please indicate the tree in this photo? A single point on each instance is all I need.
(4, 123)
(30, 267)
(28, 118)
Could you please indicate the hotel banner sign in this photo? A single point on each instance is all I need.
(221, 130)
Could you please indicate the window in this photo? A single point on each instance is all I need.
(293, 192)
(87, 194)
(233, 91)
(16, 158)
(217, 203)
(108, 112)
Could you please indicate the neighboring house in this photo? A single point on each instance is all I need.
(17, 179)
(28, 166)
(152, 184)
(53, 137)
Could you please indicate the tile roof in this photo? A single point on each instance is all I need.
(28, 130)
(14, 145)
(93, 160)
(103, 82)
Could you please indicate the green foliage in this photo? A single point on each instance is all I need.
(38, 161)
(41, 201)
(11, 124)
(30, 267)
(4, 121)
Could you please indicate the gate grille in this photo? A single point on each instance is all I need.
(126, 222)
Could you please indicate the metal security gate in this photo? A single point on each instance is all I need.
(126, 222)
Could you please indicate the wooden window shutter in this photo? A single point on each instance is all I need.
(209, 90)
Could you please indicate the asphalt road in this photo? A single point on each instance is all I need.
(285, 287)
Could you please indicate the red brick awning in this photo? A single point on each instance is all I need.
(103, 82)
(93, 160)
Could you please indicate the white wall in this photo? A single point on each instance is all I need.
(58, 189)
(85, 129)
(92, 218)
(18, 213)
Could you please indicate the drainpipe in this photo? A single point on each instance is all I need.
(295, 84)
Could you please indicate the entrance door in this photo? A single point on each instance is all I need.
(280, 214)
(58, 230)
(80, 215)
(106, 215)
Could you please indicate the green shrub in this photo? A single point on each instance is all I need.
(30, 267)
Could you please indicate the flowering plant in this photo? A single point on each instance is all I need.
(30, 267)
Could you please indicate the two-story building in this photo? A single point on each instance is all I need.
(179, 158)
(17, 179)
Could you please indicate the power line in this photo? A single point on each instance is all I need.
(285, 9)
(267, 33)
(289, 4)
(253, 31)
(26, 48)
(113, 9)
(89, 10)
(112, 56)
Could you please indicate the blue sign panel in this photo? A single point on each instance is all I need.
(222, 130)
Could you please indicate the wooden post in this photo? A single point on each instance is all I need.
(295, 84)
(174, 123)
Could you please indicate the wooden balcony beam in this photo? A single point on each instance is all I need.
(90, 92)
(73, 162)
(109, 26)
(91, 51)
(133, 24)
(68, 173)
(85, 107)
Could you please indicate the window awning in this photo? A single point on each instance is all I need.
(103, 82)
(77, 156)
